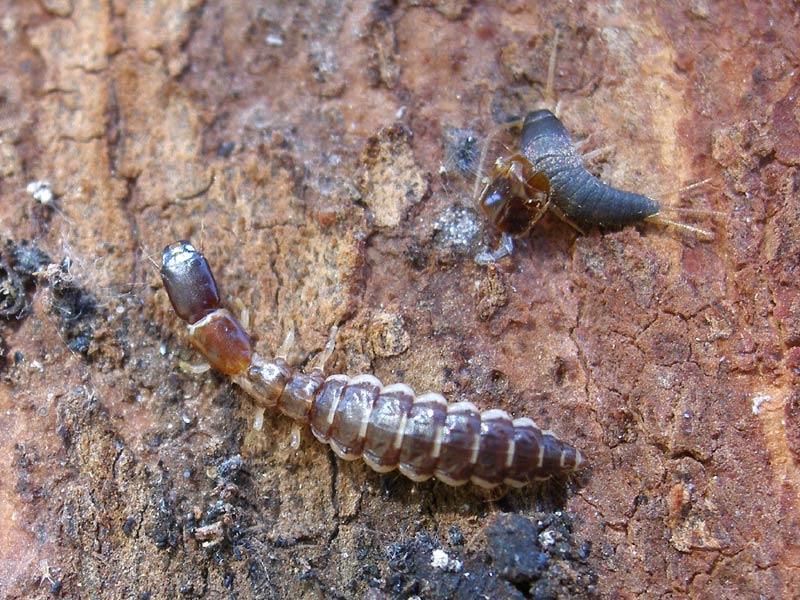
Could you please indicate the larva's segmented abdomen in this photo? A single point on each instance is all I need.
(426, 437)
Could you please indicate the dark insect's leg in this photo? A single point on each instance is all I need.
(505, 248)
(557, 212)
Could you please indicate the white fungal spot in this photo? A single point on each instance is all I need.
(758, 401)
(547, 538)
(441, 560)
(41, 192)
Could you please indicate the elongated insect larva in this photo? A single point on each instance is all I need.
(548, 163)
(388, 426)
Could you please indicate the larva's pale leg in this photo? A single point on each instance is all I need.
(286, 346)
(327, 351)
(198, 369)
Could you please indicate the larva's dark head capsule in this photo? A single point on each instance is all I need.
(516, 196)
(189, 283)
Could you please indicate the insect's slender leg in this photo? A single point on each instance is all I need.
(700, 212)
(597, 152)
(578, 144)
(560, 214)
(479, 178)
(694, 212)
(506, 247)
(543, 208)
(551, 74)
(682, 189)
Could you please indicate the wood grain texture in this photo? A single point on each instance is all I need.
(314, 153)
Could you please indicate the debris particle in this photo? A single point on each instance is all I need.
(441, 560)
(41, 192)
(457, 228)
(758, 401)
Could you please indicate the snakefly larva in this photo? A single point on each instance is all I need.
(388, 426)
(548, 173)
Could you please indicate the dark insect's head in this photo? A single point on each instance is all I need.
(516, 196)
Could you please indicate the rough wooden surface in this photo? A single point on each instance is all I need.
(321, 155)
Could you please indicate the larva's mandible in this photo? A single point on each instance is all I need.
(388, 426)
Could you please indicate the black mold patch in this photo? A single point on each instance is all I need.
(75, 308)
(462, 149)
(12, 292)
(19, 264)
(524, 557)
(26, 258)
(539, 556)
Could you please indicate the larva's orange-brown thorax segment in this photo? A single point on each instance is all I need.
(223, 342)
(388, 426)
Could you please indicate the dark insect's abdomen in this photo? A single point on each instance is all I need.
(578, 194)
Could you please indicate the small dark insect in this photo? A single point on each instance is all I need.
(388, 426)
(516, 196)
(548, 173)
